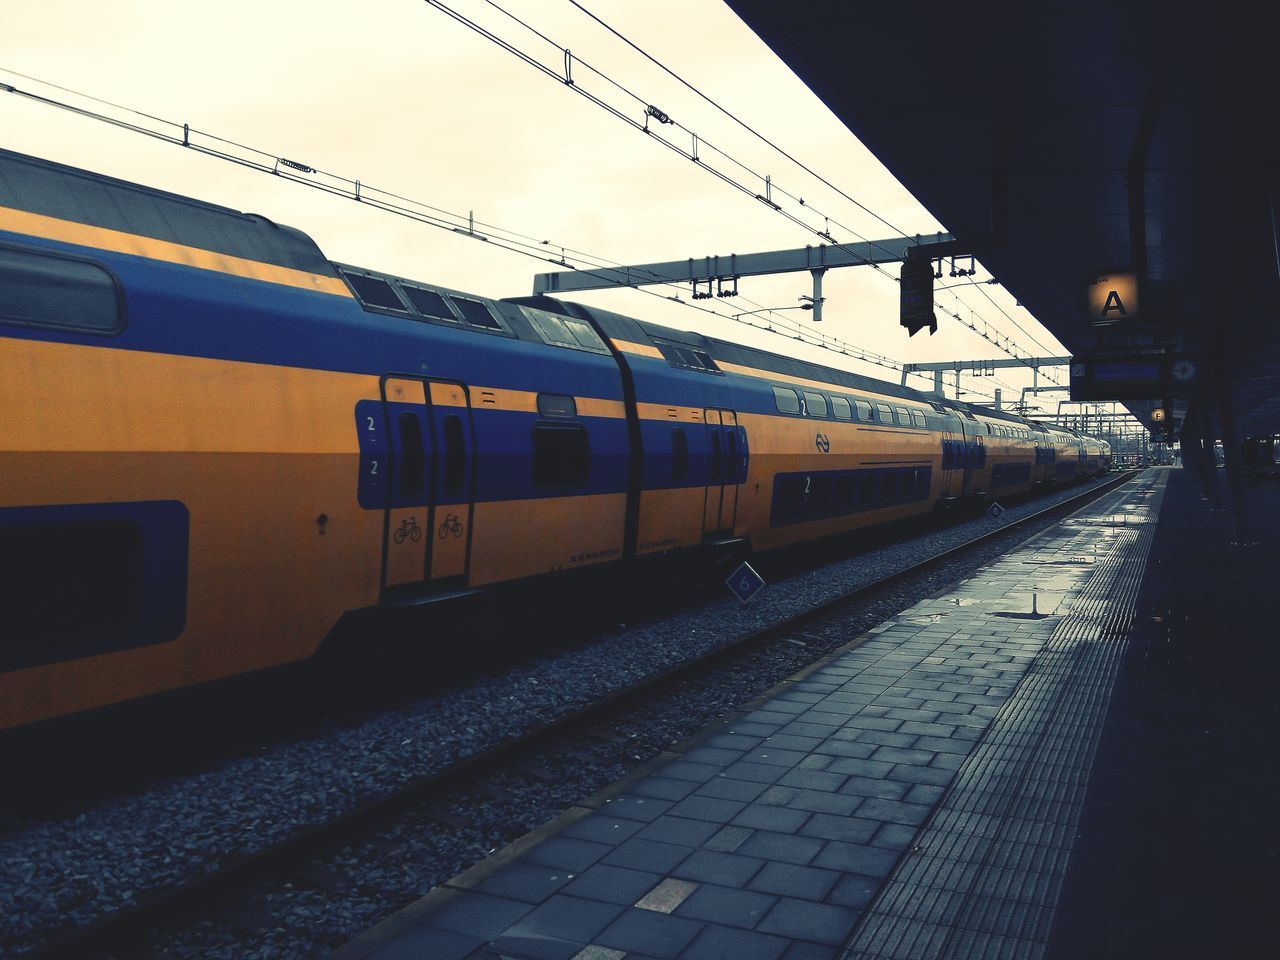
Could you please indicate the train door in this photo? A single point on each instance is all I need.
(969, 458)
(952, 478)
(429, 483)
(726, 459)
(454, 500)
(407, 487)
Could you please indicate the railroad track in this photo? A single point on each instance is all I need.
(100, 937)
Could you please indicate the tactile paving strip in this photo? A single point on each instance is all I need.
(985, 874)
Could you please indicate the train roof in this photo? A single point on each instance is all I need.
(55, 190)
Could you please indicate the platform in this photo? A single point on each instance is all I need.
(919, 794)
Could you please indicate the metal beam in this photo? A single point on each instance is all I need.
(731, 267)
(1035, 363)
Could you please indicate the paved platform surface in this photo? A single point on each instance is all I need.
(917, 795)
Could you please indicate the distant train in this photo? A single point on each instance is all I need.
(216, 443)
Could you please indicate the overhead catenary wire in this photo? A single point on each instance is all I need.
(697, 142)
(184, 135)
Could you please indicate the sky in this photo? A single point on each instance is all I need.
(396, 94)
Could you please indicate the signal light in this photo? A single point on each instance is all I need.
(916, 296)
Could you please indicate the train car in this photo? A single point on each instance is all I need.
(218, 443)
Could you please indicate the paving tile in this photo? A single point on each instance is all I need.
(653, 934)
(947, 761)
(795, 880)
(811, 951)
(765, 817)
(784, 741)
(865, 722)
(727, 905)
(478, 914)
(846, 748)
(613, 884)
(754, 728)
(815, 761)
(885, 738)
(854, 890)
(696, 772)
(636, 808)
(711, 866)
(566, 853)
(894, 836)
(726, 943)
(727, 788)
(900, 755)
(526, 946)
(874, 787)
(593, 951)
(805, 920)
(781, 847)
(566, 918)
(755, 772)
(910, 773)
(678, 780)
(925, 793)
(825, 780)
(673, 829)
(901, 713)
(944, 745)
(850, 829)
(732, 741)
(857, 767)
(715, 756)
(602, 829)
(427, 942)
(774, 756)
(727, 839)
(804, 728)
(779, 796)
(821, 802)
(708, 808)
(525, 881)
(666, 896)
(856, 858)
(649, 855)
(893, 811)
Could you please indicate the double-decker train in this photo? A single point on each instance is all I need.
(216, 443)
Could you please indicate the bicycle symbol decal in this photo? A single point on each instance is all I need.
(409, 528)
(451, 527)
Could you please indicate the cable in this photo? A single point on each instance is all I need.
(567, 80)
(254, 158)
(736, 119)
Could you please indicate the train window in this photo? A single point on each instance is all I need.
(731, 455)
(54, 291)
(413, 455)
(585, 335)
(561, 455)
(815, 404)
(840, 408)
(885, 414)
(786, 400)
(375, 292)
(917, 419)
(680, 355)
(476, 313)
(863, 408)
(904, 416)
(679, 455)
(428, 303)
(551, 327)
(455, 452)
(555, 405)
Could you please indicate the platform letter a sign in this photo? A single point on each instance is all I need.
(1113, 303)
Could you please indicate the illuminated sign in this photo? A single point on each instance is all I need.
(1113, 298)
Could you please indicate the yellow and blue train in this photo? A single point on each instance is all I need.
(216, 443)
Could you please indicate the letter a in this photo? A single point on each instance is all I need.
(1113, 303)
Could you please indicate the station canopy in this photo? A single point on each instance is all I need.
(1064, 142)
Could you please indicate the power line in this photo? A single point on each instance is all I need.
(183, 135)
(650, 111)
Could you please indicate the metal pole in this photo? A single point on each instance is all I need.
(817, 293)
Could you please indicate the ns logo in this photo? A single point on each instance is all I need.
(823, 443)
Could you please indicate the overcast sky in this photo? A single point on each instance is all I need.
(396, 94)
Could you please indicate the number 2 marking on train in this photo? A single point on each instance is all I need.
(373, 467)
(371, 426)
(807, 481)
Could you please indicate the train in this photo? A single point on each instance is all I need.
(218, 444)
